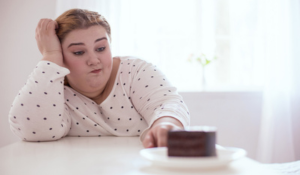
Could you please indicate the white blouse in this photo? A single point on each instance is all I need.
(47, 110)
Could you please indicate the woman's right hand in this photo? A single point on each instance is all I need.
(48, 42)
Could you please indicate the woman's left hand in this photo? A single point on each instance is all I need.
(158, 133)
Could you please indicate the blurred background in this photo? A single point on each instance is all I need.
(234, 62)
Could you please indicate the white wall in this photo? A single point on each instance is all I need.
(237, 115)
(18, 51)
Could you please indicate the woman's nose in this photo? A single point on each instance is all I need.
(93, 59)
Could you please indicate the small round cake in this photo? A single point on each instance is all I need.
(193, 141)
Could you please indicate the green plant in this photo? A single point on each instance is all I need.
(202, 59)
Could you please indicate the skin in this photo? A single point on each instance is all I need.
(86, 50)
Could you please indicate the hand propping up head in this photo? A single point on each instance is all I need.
(48, 42)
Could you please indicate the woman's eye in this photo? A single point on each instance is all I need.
(100, 49)
(78, 53)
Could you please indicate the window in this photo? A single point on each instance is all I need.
(168, 33)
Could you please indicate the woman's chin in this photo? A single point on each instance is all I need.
(94, 85)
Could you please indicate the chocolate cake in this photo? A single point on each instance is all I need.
(192, 142)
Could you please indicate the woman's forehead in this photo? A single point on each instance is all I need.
(86, 35)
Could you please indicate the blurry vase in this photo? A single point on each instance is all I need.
(203, 79)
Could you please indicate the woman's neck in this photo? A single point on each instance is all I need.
(100, 97)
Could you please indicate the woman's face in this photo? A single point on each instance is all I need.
(87, 54)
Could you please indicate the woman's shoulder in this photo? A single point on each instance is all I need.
(128, 58)
(134, 61)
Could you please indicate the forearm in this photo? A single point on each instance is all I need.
(167, 120)
(38, 111)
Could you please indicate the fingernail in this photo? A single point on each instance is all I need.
(150, 145)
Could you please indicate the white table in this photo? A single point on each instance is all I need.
(98, 155)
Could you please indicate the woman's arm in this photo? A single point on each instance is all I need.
(157, 101)
(39, 112)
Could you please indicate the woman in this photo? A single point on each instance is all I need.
(78, 89)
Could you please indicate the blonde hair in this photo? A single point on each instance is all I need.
(79, 19)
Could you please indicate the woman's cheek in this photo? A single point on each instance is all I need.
(76, 67)
(108, 59)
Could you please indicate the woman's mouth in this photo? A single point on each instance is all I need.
(96, 71)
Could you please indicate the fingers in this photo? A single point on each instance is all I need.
(157, 136)
(162, 135)
(47, 40)
(51, 25)
(46, 24)
(37, 29)
(40, 24)
(149, 141)
(40, 27)
(43, 22)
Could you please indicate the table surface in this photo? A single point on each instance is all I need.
(99, 155)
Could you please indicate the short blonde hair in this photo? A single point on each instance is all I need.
(79, 19)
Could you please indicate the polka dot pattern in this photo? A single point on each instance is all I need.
(40, 114)
(141, 94)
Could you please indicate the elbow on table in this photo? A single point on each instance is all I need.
(33, 135)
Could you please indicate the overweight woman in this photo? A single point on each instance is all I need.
(78, 88)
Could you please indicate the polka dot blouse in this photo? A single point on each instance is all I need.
(45, 109)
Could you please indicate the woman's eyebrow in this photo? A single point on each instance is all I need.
(99, 39)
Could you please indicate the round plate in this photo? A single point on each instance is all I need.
(225, 155)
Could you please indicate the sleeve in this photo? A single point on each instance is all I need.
(154, 96)
(39, 112)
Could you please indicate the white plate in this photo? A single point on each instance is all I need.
(225, 155)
